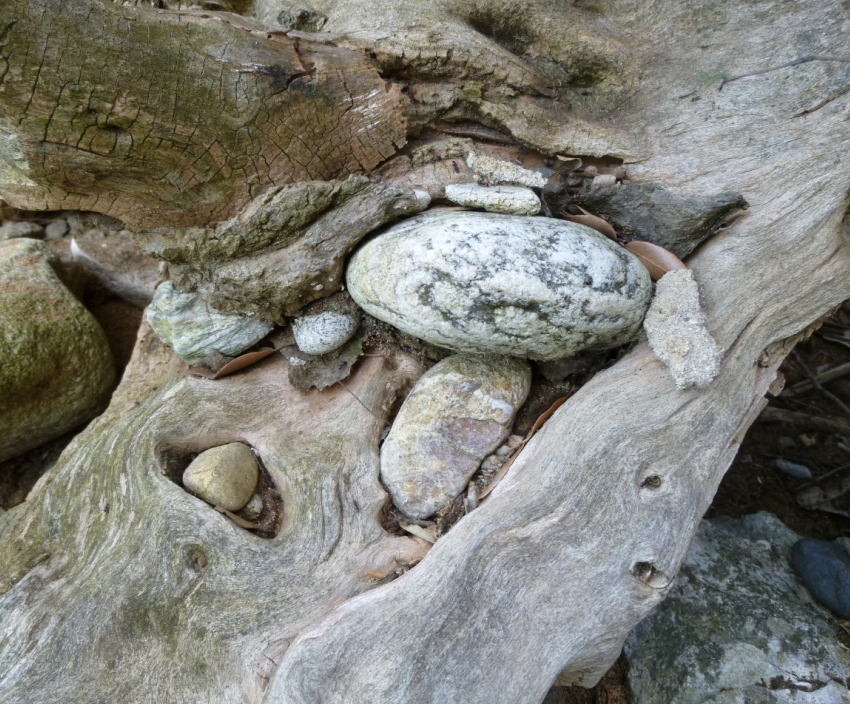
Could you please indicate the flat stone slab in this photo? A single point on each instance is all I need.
(459, 412)
(514, 200)
(483, 283)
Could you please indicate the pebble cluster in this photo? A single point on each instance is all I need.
(498, 287)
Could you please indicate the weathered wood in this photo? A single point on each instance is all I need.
(169, 118)
(570, 551)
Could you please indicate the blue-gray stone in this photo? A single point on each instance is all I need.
(825, 570)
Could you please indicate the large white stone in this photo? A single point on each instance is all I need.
(478, 282)
(459, 412)
(194, 329)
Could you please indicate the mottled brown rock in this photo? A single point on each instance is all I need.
(459, 412)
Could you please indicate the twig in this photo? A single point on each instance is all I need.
(359, 401)
(838, 372)
(843, 406)
(830, 473)
(795, 62)
(771, 414)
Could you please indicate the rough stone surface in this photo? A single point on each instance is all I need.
(653, 214)
(284, 250)
(459, 412)
(224, 476)
(56, 370)
(478, 282)
(15, 229)
(737, 628)
(118, 264)
(516, 200)
(825, 570)
(676, 327)
(324, 332)
(494, 171)
(56, 229)
(195, 330)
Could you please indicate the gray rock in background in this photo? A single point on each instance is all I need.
(653, 214)
(21, 228)
(118, 264)
(676, 328)
(326, 325)
(195, 330)
(459, 412)
(737, 627)
(483, 283)
(515, 200)
(56, 370)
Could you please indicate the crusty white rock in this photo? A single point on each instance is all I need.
(675, 326)
(459, 412)
(478, 282)
(515, 200)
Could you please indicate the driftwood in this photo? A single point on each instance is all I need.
(120, 586)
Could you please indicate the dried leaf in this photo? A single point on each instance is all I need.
(242, 361)
(503, 470)
(656, 259)
(202, 371)
(568, 164)
(241, 522)
(546, 415)
(418, 531)
(592, 221)
(375, 574)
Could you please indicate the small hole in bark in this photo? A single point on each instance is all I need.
(646, 573)
(175, 458)
(196, 558)
(651, 482)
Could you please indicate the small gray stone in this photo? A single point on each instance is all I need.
(537, 288)
(56, 229)
(675, 326)
(21, 228)
(194, 329)
(494, 171)
(423, 198)
(224, 476)
(324, 332)
(253, 508)
(736, 627)
(459, 412)
(512, 200)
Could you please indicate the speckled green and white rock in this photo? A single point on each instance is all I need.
(738, 627)
(194, 329)
(478, 282)
(56, 369)
(459, 412)
(224, 476)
